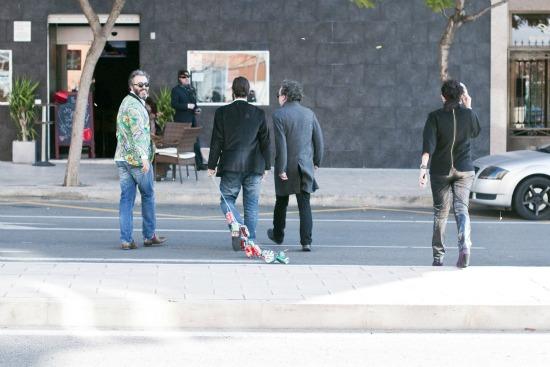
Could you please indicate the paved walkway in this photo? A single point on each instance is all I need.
(121, 295)
(343, 187)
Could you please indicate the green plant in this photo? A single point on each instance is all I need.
(22, 108)
(164, 107)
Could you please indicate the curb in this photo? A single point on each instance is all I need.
(169, 314)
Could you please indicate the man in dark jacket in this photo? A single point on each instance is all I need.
(184, 101)
(239, 153)
(299, 151)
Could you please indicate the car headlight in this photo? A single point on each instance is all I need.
(493, 173)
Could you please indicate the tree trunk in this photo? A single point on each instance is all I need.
(75, 150)
(100, 39)
(23, 125)
(445, 47)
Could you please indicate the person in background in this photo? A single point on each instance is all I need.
(184, 101)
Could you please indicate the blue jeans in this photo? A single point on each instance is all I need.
(130, 177)
(230, 186)
(457, 184)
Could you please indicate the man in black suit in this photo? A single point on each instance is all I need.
(240, 154)
(184, 101)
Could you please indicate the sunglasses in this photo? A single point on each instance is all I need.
(142, 85)
(184, 76)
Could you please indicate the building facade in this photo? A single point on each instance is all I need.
(371, 75)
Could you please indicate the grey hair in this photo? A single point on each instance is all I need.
(292, 90)
(135, 73)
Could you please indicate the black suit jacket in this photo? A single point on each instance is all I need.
(181, 96)
(240, 139)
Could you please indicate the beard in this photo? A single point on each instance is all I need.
(141, 93)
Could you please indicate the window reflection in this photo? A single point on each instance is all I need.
(531, 30)
(212, 73)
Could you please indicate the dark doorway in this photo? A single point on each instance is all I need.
(118, 60)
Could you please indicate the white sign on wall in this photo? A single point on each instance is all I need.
(21, 31)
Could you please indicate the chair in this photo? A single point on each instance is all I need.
(178, 148)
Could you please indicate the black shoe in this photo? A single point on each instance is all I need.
(154, 241)
(437, 262)
(272, 237)
(236, 243)
(306, 248)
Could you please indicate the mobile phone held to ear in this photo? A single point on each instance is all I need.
(464, 88)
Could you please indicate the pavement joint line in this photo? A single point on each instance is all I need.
(361, 208)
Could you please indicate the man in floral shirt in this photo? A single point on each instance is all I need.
(134, 153)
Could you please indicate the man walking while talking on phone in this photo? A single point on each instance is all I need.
(133, 156)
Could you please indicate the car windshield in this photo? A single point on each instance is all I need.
(544, 148)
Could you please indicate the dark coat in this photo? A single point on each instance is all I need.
(298, 148)
(240, 139)
(181, 97)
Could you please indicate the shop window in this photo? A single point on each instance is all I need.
(5, 76)
(212, 73)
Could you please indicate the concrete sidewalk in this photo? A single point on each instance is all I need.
(256, 295)
(340, 187)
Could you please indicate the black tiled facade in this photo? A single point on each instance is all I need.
(371, 103)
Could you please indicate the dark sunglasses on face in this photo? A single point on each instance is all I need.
(142, 85)
(184, 76)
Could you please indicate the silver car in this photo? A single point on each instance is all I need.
(518, 180)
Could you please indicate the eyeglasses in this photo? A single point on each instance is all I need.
(142, 85)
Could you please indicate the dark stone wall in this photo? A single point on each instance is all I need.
(372, 103)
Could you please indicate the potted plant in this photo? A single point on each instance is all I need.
(23, 113)
(164, 106)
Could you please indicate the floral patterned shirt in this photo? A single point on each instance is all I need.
(133, 132)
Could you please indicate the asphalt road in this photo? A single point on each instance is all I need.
(84, 231)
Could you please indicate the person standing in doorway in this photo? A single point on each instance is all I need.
(184, 101)
(240, 154)
(133, 156)
(447, 146)
(298, 153)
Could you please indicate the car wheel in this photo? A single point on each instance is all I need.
(532, 198)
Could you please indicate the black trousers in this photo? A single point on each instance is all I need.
(306, 221)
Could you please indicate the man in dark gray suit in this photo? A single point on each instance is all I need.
(298, 152)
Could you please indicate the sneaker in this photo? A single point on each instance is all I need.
(463, 260)
(272, 237)
(306, 248)
(154, 241)
(128, 246)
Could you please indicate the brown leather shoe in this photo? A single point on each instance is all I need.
(154, 241)
(128, 246)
